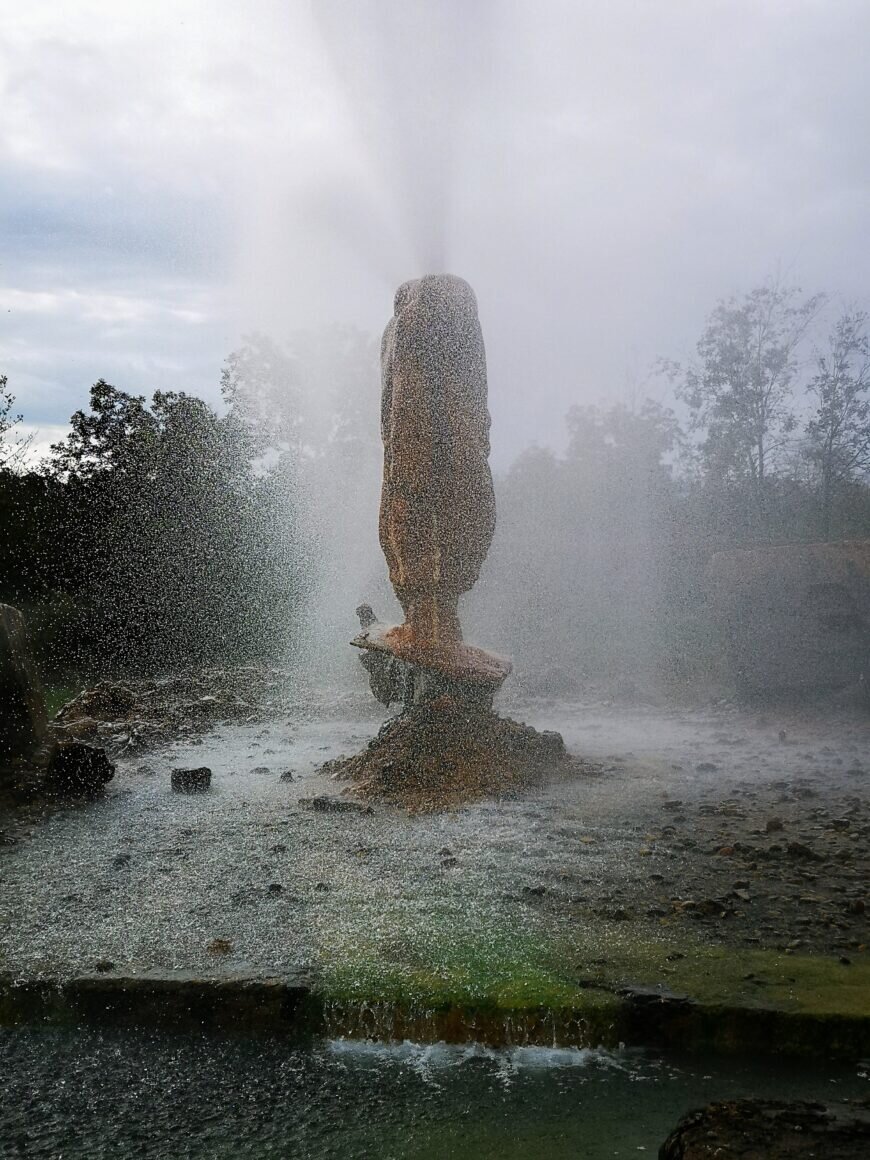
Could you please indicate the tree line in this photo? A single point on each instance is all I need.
(163, 532)
(602, 553)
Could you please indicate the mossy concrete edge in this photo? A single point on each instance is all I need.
(294, 1007)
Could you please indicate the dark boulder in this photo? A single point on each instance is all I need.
(78, 770)
(770, 1128)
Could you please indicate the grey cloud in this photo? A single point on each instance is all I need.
(601, 174)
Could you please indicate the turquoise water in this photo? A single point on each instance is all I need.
(120, 1094)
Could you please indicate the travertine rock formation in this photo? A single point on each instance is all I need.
(437, 503)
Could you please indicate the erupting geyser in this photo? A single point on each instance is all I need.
(436, 524)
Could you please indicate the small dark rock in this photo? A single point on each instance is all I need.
(104, 966)
(799, 850)
(773, 825)
(715, 908)
(121, 860)
(287, 775)
(706, 767)
(275, 888)
(191, 780)
(614, 913)
(261, 769)
(334, 805)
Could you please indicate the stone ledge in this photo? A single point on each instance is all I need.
(237, 1002)
(293, 1006)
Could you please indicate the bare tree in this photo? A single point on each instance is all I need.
(13, 446)
(838, 434)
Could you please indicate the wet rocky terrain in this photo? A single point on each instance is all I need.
(764, 838)
(679, 831)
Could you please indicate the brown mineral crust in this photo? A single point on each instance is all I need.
(441, 754)
(437, 501)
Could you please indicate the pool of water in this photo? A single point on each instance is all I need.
(86, 1093)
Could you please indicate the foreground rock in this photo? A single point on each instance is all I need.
(442, 753)
(78, 770)
(771, 1129)
(23, 719)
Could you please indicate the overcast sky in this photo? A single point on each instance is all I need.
(174, 174)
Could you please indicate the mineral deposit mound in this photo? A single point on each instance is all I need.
(441, 753)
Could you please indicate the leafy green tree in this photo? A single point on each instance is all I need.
(260, 384)
(838, 434)
(739, 389)
(174, 532)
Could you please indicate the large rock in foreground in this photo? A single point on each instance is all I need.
(78, 770)
(769, 1130)
(23, 718)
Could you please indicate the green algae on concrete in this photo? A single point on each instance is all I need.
(599, 986)
(501, 990)
(491, 984)
(718, 974)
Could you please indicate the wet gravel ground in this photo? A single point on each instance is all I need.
(736, 827)
(752, 827)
